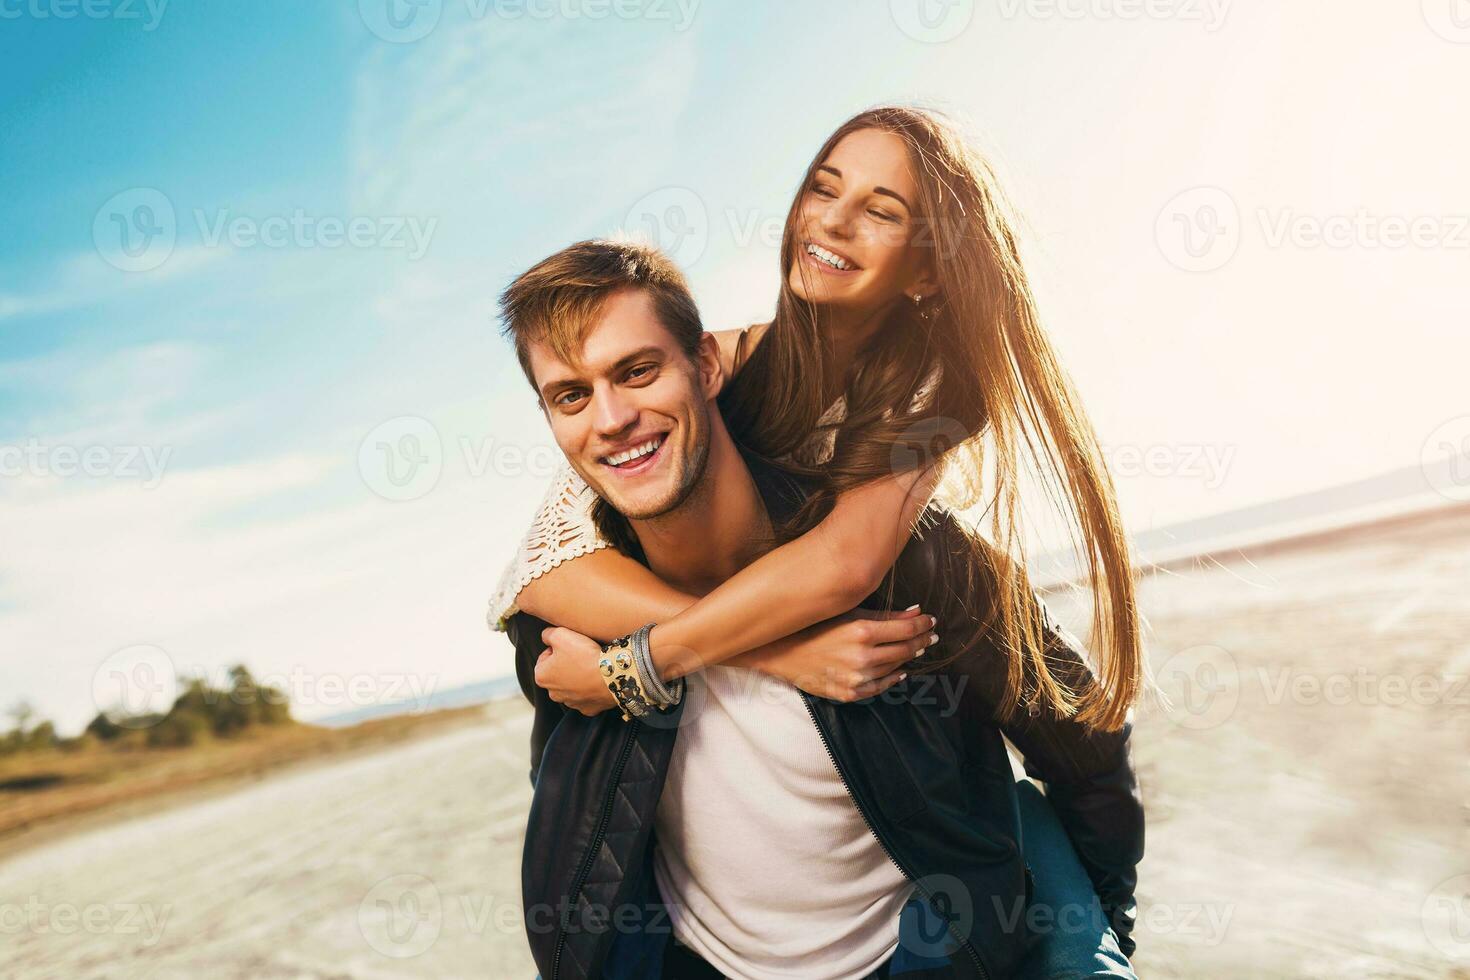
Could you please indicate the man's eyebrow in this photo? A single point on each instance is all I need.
(552, 387)
(876, 190)
(648, 350)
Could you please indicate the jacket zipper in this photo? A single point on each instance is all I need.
(873, 829)
(586, 867)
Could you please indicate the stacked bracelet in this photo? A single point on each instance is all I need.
(627, 665)
(662, 695)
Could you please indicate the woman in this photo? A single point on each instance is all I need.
(903, 284)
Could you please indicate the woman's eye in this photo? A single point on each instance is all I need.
(821, 190)
(882, 215)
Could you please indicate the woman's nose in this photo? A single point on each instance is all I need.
(836, 219)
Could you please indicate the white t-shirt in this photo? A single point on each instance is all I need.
(768, 868)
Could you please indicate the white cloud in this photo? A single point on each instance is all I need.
(359, 588)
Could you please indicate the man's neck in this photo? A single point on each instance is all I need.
(719, 529)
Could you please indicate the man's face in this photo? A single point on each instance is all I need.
(633, 416)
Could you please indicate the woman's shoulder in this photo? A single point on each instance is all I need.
(737, 344)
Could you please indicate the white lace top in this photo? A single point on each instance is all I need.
(563, 528)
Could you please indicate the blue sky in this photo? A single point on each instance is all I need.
(270, 370)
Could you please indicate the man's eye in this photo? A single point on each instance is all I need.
(643, 370)
(568, 399)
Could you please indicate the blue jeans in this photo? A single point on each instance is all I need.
(1074, 940)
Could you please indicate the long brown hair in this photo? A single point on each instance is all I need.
(1000, 388)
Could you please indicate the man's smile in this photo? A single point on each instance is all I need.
(638, 457)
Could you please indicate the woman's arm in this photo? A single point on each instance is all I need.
(826, 572)
(603, 595)
(823, 574)
(857, 655)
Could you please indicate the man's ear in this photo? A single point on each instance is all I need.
(711, 371)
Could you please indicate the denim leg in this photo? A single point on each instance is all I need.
(1074, 939)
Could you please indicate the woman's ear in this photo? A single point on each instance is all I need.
(711, 371)
(925, 283)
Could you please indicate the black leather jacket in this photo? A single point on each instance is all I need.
(925, 765)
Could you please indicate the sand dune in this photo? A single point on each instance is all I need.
(1308, 807)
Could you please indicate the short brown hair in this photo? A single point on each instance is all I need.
(557, 299)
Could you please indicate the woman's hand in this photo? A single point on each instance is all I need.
(849, 657)
(567, 669)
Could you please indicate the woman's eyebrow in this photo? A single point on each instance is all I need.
(876, 190)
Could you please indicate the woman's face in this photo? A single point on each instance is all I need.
(857, 241)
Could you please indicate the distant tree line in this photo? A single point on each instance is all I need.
(25, 735)
(201, 711)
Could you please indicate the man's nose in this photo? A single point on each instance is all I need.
(613, 413)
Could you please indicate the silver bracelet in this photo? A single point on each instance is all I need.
(660, 694)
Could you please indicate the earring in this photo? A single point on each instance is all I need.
(924, 313)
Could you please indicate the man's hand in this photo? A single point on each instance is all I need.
(849, 657)
(567, 669)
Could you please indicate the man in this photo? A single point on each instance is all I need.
(776, 834)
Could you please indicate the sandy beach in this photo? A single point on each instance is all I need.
(1311, 786)
(1308, 798)
(401, 863)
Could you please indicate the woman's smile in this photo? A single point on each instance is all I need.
(829, 259)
